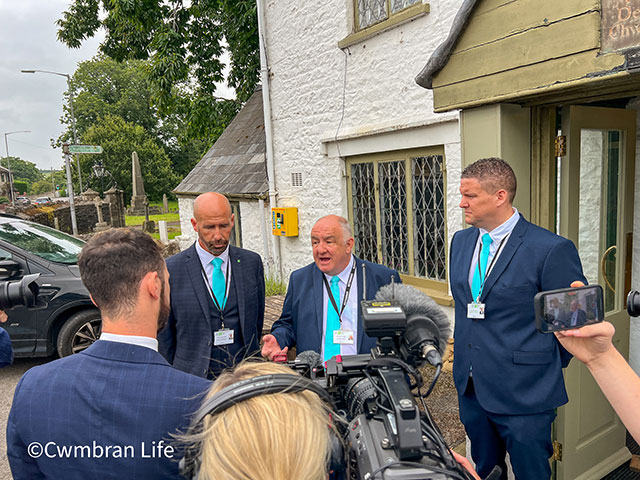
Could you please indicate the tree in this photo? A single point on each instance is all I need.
(119, 139)
(23, 169)
(184, 42)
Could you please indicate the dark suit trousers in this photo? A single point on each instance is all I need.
(527, 438)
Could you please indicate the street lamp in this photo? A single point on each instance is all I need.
(6, 146)
(73, 118)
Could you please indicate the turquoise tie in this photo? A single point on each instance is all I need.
(480, 270)
(218, 284)
(333, 322)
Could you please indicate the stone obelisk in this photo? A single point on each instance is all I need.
(138, 199)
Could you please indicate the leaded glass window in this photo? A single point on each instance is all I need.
(370, 12)
(398, 212)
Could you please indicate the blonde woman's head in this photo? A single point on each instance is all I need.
(270, 436)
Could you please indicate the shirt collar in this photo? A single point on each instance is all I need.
(498, 233)
(206, 256)
(344, 274)
(147, 342)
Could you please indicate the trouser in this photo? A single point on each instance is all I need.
(527, 438)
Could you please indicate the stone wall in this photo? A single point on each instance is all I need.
(86, 217)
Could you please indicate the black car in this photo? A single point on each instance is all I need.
(70, 322)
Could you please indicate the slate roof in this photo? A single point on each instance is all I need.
(236, 163)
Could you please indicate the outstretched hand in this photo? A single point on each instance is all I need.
(588, 343)
(271, 348)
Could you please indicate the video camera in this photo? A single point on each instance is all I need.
(20, 293)
(633, 303)
(387, 432)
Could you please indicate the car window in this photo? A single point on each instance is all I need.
(42, 241)
(5, 254)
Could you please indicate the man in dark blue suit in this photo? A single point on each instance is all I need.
(217, 296)
(508, 375)
(108, 412)
(6, 350)
(311, 319)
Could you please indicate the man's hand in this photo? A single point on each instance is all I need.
(466, 464)
(3, 316)
(588, 343)
(270, 347)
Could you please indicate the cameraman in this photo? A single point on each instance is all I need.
(6, 352)
(592, 345)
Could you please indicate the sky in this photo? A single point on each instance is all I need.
(34, 101)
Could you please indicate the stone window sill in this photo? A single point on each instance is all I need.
(404, 16)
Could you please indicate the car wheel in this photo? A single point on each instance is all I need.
(79, 332)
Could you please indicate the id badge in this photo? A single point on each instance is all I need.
(223, 336)
(343, 337)
(475, 310)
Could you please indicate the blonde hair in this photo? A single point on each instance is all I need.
(270, 436)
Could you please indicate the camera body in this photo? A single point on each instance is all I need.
(386, 430)
(20, 293)
(633, 303)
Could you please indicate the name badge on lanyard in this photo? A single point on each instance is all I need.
(475, 310)
(224, 336)
(343, 337)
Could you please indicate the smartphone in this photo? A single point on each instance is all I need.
(568, 308)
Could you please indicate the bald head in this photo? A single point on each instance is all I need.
(212, 220)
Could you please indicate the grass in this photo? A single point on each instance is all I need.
(274, 287)
(172, 234)
(172, 204)
(139, 219)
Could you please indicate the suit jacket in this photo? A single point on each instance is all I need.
(6, 351)
(187, 339)
(302, 313)
(112, 394)
(516, 369)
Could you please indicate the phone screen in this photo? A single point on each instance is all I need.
(568, 308)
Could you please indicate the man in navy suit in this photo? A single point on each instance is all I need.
(108, 412)
(508, 375)
(6, 350)
(217, 296)
(314, 318)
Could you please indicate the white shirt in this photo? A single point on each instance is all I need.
(147, 342)
(205, 260)
(350, 315)
(498, 235)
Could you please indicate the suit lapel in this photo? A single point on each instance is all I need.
(468, 247)
(318, 295)
(194, 269)
(509, 250)
(238, 279)
(361, 288)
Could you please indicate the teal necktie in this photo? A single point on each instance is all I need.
(218, 284)
(479, 273)
(333, 322)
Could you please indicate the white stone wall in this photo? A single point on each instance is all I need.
(634, 334)
(185, 208)
(253, 235)
(309, 77)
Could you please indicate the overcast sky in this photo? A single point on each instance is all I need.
(34, 101)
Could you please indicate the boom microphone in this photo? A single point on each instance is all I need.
(428, 327)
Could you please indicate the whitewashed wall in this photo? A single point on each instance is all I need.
(634, 335)
(310, 76)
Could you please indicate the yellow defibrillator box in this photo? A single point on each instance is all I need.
(284, 221)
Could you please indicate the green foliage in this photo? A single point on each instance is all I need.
(20, 186)
(4, 200)
(274, 286)
(42, 186)
(119, 139)
(23, 169)
(183, 42)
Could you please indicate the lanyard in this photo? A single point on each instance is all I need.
(488, 270)
(346, 292)
(213, 297)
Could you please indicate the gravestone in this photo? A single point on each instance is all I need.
(165, 203)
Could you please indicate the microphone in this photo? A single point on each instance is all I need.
(310, 357)
(428, 327)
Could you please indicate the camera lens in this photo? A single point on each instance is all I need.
(359, 390)
(633, 303)
(19, 293)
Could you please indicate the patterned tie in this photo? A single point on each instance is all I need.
(478, 277)
(333, 321)
(218, 284)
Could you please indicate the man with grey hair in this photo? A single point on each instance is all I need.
(320, 310)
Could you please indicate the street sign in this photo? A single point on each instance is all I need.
(85, 149)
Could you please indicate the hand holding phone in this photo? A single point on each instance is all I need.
(568, 308)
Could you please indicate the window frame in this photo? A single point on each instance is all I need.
(439, 289)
